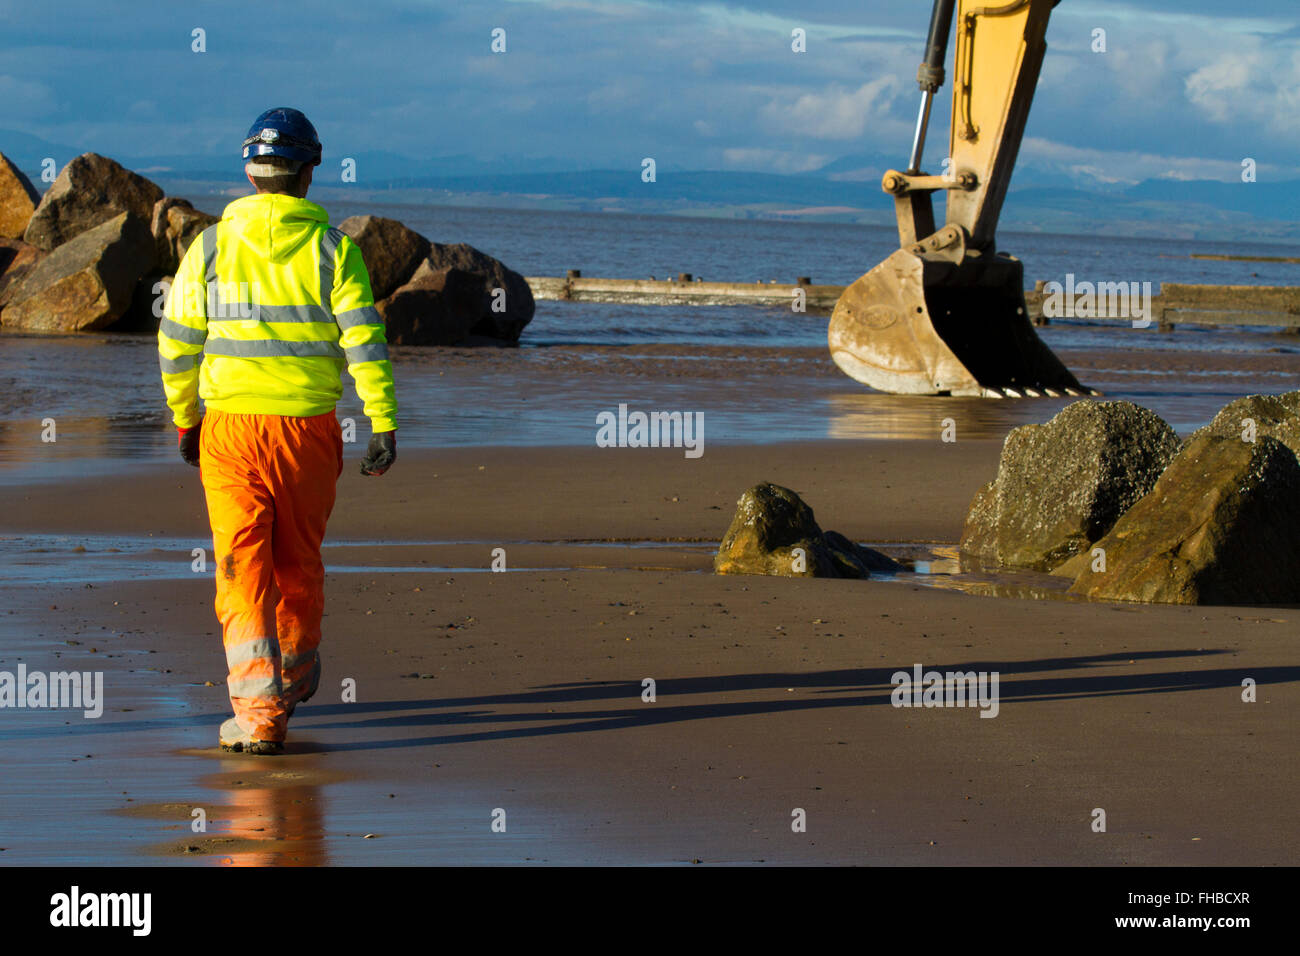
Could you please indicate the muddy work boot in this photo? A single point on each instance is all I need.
(307, 690)
(236, 739)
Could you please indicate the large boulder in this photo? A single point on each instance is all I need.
(175, 223)
(390, 251)
(433, 308)
(86, 283)
(1221, 526)
(144, 312)
(772, 524)
(1257, 415)
(517, 302)
(90, 190)
(1062, 485)
(18, 200)
(16, 260)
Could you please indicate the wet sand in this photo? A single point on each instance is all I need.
(521, 692)
(549, 396)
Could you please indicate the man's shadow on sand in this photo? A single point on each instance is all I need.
(854, 687)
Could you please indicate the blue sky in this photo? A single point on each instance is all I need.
(1186, 89)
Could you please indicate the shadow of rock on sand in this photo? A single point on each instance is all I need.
(848, 685)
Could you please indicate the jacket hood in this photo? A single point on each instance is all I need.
(275, 226)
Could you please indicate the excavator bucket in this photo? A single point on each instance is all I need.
(930, 323)
(945, 314)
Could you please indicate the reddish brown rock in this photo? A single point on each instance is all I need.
(145, 310)
(391, 251)
(18, 200)
(175, 224)
(503, 303)
(16, 260)
(436, 307)
(86, 283)
(90, 190)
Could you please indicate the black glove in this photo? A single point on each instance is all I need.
(188, 442)
(380, 454)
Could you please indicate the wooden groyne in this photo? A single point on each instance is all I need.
(685, 289)
(1222, 258)
(1228, 305)
(1177, 304)
(1210, 305)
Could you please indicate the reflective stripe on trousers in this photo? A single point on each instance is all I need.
(270, 483)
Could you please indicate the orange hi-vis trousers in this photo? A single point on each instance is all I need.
(270, 483)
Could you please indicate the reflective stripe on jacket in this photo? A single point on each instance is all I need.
(279, 301)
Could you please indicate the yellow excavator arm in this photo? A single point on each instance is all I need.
(1001, 45)
(946, 314)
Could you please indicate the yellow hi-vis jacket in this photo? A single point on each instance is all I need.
(279, 301)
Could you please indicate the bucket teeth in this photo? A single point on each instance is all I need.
(1036, 391)
(906, 329)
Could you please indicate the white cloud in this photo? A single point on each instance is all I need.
(1221, 21)
(1178, 94)
(773, 160)
(1256, 84)
(837, 113)
(1091, 165)
(1220, 88)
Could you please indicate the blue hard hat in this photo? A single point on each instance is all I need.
(283, 132)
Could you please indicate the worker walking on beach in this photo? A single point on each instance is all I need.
(267, 307)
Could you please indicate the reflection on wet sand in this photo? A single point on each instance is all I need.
(944, 566)
(540, 396)
(262, 814)
(873, 415)
(64, 445)
(1185, 400)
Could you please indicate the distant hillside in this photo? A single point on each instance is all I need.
(844, 190)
